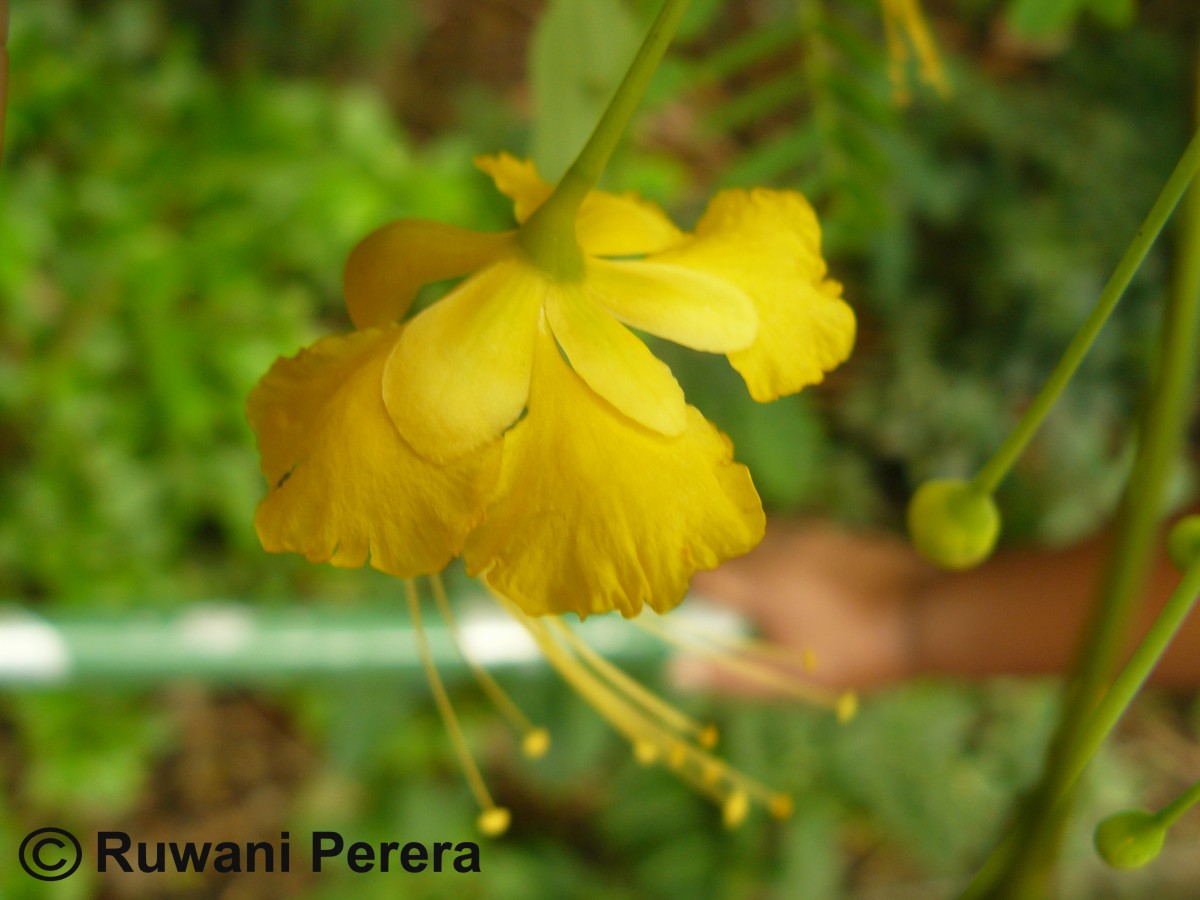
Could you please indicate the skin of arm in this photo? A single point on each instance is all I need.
(874, 613)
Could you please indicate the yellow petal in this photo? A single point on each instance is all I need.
(345, 487)
(683, 305)
(614, 363)
(459, 374)
(518, 180)
(386, 268)
(768, 244)
(607, 224)
(804, 333)
(623, 225)
(593, 513)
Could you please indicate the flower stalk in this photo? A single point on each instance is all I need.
(1020, 866)
(1169, 814)
(520, 406)
(3, 72)
(993, 472)
(549, 234)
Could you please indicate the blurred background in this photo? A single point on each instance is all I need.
(181, 185)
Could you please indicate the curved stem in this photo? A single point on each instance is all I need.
(543, 233)
(1177, 807)
(993, 472)
(1023, 858)
(3, 72)
(1133, 676)
(445, 709)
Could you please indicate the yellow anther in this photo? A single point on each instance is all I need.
(846, 707)
(536, 740)
(535, 743)
(656, 731)
(494, 821)
(709, 736)
(763, 663)
(677, 757)
(734, 809)
(711, 771)
(646, 752)
(781, 806)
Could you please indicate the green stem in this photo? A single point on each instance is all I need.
(993, 472)
(1017, 865)
(548, 235)
(1168, 814)
(1126, 685)
(3, 72)
(1097, 728)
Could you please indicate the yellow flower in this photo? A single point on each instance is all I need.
(520, 423)
(586, 484)
(593, 512)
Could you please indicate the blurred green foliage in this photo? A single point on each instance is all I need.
(1039, 17)
(182, 184)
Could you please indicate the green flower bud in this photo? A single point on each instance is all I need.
(952, 524)
(1129, 839)
(1183, 542)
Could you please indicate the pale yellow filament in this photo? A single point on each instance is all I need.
(706, 772)
(645, 736)
(754, 670)
(535, 741)
(650, 738)
(493, 820)
(705, 734)
(744, 644)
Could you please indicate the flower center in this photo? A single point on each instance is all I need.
(548, 238)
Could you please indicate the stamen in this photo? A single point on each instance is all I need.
(717, 779)
(493, 820)
(646, 737)
(705, 771)
(705, 734)
(846, 707)
(749, 646)
(751, 667)
(734, 810)
(535, 741)
(781, 806)
(646, 752)
(650, 737)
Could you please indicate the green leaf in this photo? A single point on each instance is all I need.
(579, 51)
(744, 51)
(1114, 13)
(1037, 18)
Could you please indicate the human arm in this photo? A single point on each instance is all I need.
(873, 613)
